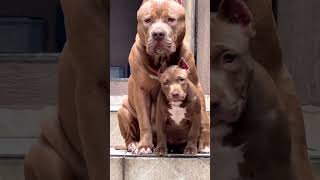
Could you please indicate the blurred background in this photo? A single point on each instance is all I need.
(299, 35)
(31, 36)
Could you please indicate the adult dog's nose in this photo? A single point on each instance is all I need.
(158, 35)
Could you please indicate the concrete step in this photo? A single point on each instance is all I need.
(127, 166)
(132, 168)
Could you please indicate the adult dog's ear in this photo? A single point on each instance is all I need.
(237, 12)
(162, 68)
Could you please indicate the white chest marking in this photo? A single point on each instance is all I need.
(177, 113)
(226, 158)
(153, 77)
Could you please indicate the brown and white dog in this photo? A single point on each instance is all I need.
(178, 113)
(74, 145)
(257, 127)
(161, 30)
(250, 135)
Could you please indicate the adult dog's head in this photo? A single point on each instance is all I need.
(231, 63)
(161, 26)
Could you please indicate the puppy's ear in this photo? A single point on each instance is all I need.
(180, 1)
(183, 64)
(162, 68)
(237, 12)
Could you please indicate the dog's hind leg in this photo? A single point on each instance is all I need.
(43, 162)
(129, 127)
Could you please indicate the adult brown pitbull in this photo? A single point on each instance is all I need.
(265, 49)
(161, 30)
(74, 145)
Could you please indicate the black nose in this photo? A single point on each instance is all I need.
(158, 35)
(175, 95)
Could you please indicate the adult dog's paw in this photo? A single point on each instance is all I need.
(161, 151)
(132, 146)
(190, 150)
(143, 148)
(205, 150)
(204, 145)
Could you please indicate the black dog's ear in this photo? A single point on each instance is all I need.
(162, 68)
(237, 12)
(183, 64)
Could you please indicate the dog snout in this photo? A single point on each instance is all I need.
(175, 94)
(158, 35)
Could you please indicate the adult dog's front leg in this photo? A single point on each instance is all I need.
(204, 140)
(143, 107)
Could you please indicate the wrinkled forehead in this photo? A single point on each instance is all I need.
(160, 8)
(172, 73)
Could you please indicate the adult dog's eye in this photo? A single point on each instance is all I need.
(171, 19)
(148, 20)
(181, 79)
(229, 58)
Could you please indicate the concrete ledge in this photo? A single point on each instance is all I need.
(125, 166)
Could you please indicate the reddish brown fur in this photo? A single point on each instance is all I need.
(138, 110)
(186, 134)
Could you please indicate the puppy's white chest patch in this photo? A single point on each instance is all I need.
(226, 158)
(177, 113)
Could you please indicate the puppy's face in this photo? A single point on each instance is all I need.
(231, 63)
(174, 81)
(161, 26)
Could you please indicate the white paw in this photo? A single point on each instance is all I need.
(205, 150)
(145, 151)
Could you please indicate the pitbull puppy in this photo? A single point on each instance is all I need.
(178, 113)
(161, 30)
(250, 127)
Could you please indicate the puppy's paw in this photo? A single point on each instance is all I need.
(205, 150)
(190, 150)
(161, 151)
